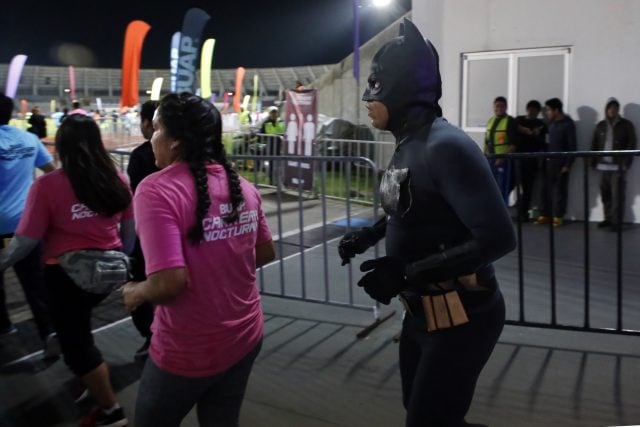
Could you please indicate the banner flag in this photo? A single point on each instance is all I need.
(72, 82)
(99, 104)
(173, 59)
(24, 107)
(301, 119)
(192, 26)
(13, 78)
(206, 60)
(52, 106)
(156, 88)
(245, 102)
(238, 93)
(254, 103)
(133, 40)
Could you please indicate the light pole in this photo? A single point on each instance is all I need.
(357, 4)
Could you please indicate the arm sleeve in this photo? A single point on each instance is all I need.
(19, 248)
(42, 155)
(158, 230)
(463, 177)
(380, 228)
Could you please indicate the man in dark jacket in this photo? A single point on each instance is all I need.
(445, 224)
(555, 188)
(612, 134)
(532, 132)
(38, 123)
(141, 164)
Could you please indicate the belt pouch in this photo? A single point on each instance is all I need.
(444, 311)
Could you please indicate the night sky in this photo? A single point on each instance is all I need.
(248, 33)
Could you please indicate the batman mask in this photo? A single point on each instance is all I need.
(405, 76)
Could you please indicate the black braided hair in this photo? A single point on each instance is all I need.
(197, 124)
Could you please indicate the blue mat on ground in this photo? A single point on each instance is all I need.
(353, 222)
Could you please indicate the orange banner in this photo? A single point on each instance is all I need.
(133, 40)
(237, 96)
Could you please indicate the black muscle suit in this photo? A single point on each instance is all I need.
(445, 219)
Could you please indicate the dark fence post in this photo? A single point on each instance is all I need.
(618, 226)
(587, 263)
(518, 173)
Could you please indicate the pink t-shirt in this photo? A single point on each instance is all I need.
(217, 319)
(54, 215)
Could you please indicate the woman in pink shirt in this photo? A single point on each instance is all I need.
(203, 234)
(84, 205)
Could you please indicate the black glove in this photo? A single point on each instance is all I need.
(356, 242)
(385, 278)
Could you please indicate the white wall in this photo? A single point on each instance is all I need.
(605, 41)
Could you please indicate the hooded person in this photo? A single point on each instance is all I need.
(445, 224)
(613, 133)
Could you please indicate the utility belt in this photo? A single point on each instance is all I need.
(440, 303)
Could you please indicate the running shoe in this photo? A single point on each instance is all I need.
(99, 418)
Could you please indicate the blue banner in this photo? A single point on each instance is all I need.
(194, 22)
(173, 59)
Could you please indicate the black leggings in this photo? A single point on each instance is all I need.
(71, 314)
(439, 369)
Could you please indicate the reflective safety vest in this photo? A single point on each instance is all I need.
(274, 129)
(500, 142)
(245, 118)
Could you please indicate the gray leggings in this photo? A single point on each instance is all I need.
(164, 399)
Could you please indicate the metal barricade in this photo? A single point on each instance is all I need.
(363, 186)
(306, 228)
(572, 277)
(582, 292)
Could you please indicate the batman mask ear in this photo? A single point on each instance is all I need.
(401, 30)
(411, 33)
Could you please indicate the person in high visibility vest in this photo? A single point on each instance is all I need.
(245, 117)
(273, 125)
(500, 138)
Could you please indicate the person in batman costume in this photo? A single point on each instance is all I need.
(445, 221)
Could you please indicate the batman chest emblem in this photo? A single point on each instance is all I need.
(395, 194)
